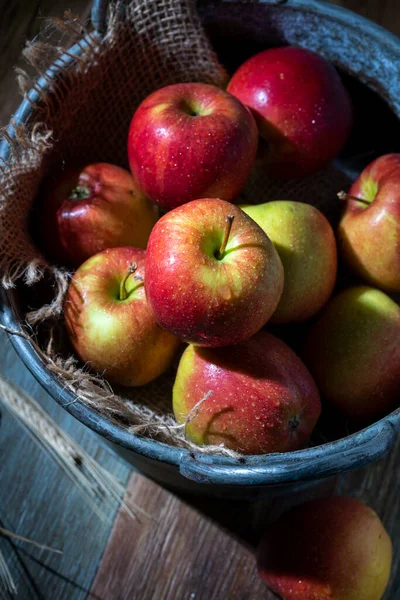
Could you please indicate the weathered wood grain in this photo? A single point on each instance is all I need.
(383, 12)
(39, 502)
(205, 548)
(179, 555)
(21, 21)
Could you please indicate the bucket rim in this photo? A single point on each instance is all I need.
(318, 462)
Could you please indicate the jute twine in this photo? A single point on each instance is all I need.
(84, 117)
(99, 487)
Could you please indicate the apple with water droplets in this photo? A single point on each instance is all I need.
(213, 277)
(81, 211)
(111, 324)
(191, 140)
(332, 548)
(306, 246)
(303, 111)
(369, 231)
(255, 397)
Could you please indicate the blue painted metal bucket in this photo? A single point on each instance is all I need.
(371, 56)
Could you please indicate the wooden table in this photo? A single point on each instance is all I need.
(188, 549)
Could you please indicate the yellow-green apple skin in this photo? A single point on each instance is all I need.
(306, 246)
(255, 397)
(114, 335)
(332, 548)
(201, 296)
(353, 352)
(369, 231)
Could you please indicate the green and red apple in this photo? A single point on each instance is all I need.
(191, 140)
(353, 352)
(333, 548)
(111, 324)
(306, 246)
(255, 397)
(213, 277)
(303, 111)
(369, 231)
(82, 211)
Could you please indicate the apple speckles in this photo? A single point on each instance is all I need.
(220, 146)
(295, 228)
(233, 301)
(292, 101)
(117, 339)
(325, 549)
(353, 350)
(249, 370)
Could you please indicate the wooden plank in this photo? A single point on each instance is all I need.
(179, 555)
(203, 548)
(383, 12)
(38, 501)
(22, 20)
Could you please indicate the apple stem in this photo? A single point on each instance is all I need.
(343, 196)
(79, 193)
(123, 293)
(228, 220)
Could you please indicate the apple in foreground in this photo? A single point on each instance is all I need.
(191, 140)
(110, 323)
(302, 109)
(369, 231)
(327, 549)
(306, 246)
(353, 352)
(213, 277)
(255, 397)
(82, 211)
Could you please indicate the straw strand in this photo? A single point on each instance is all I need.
(97, 486)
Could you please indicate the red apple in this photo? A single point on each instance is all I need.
(301, 106)
(258, 396)
(369, 231)
(191, 140)
(82, 211)
(110, 322)
(213, 276)
(328, 549)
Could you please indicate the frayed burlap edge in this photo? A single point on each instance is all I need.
(26, 143)
(26, 146)
(97, 393)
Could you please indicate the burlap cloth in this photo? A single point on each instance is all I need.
(84, 116)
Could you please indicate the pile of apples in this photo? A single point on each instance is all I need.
(215, 275)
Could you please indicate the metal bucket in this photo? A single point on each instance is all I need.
(369, 57)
